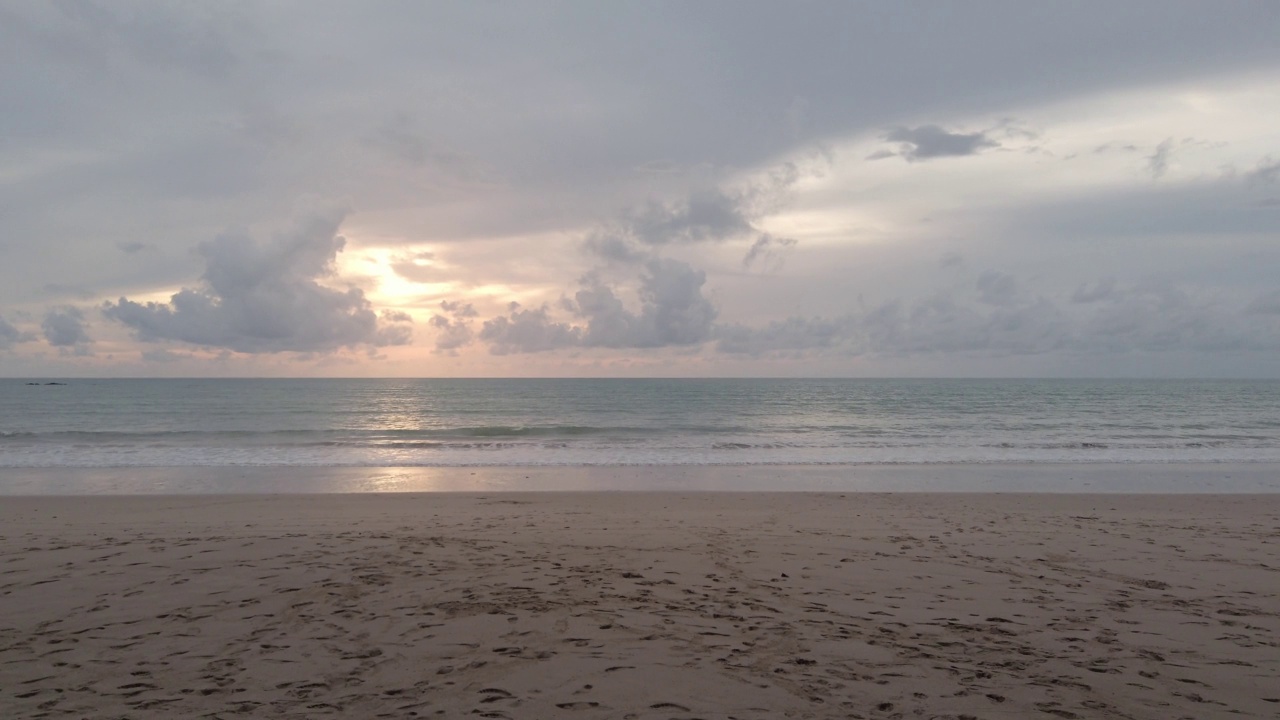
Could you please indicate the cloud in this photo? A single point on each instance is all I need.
(417, 267)
(997, 288)
(704, 216)
(1267, 172)
(1214, 206)
(672, 309)
(453, 328)
(159, 126)
(1160, 317)
(133, 248)
(161, 355)
(767, 248)
(1104, 289)
(65, 328)
(1158, 161)
(673, 312)
(10, 335)
(937, 324)
(398, 138)
(946, 324)
(527, 331)
(1110, 321)
(1266, 304)
(791, 334)
(931, 141)
(265, 297)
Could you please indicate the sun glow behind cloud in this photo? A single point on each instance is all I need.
(389, 287)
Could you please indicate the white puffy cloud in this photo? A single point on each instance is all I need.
(265, 296)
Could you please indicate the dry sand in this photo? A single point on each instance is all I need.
(638, 605)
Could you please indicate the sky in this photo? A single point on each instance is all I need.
(976, 189)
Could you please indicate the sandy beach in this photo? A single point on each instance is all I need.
(641, 605)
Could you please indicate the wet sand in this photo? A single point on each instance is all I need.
(641, 605)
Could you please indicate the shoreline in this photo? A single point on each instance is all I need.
(641, 604)
(1050, 478)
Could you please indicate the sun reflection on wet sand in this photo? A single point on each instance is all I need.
(940, 477)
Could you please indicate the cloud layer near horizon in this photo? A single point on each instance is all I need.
(748, 188)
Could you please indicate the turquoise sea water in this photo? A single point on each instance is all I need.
(724, 422)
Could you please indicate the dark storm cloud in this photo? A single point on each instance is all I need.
(265, 297)
(930, 141)
(65, 327)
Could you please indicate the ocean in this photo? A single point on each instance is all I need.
(622, 422)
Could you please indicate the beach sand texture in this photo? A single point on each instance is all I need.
(641, 605)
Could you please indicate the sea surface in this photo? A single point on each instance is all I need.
(629, 422)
